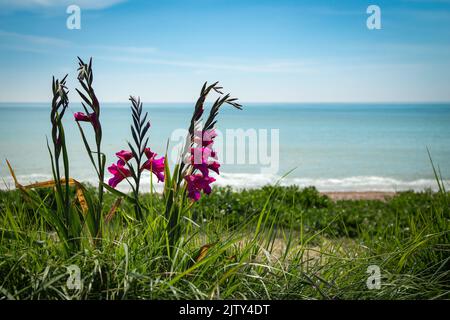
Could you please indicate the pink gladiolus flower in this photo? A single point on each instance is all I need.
(197, 183)
(214, 166)
(90, 117)
(205, 167)
(202, 155)
(119, 173)
(205, 138)
(200, 158)
(154, 165)
(149, 153)
(80, 116)
(124, 156)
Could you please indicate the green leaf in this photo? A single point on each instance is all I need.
(88, 148)
(84, 98)
(119, 193)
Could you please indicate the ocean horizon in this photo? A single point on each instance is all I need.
(332, 146)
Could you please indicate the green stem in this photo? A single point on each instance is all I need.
(100, 191)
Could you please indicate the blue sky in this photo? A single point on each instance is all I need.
(261, 51)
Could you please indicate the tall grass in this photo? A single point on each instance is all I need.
(219, 259)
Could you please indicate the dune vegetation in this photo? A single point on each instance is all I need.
(195, 241)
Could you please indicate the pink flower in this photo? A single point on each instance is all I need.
(197, 183)
(205, 167)
(200, 159)
(80, 116)
(205, 138)
(124, 156)
(90, 117)
(154, 165)
(202, 155)
(119, 173)
(214, 166)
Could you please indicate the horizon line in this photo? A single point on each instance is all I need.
(254, 102)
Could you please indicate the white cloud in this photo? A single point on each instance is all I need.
(33, 43)
(143, 55)
(13, 5)
(33, 40)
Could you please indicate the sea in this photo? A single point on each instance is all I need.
(332, 146)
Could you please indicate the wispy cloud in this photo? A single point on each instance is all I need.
(278, 66)
(14, 5)
(33, 39)
(145, 55)
(31, 43)
(34, 43)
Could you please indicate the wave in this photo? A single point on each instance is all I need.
(239, 181)
(356, 183)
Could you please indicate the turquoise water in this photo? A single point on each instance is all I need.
(332, 146)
